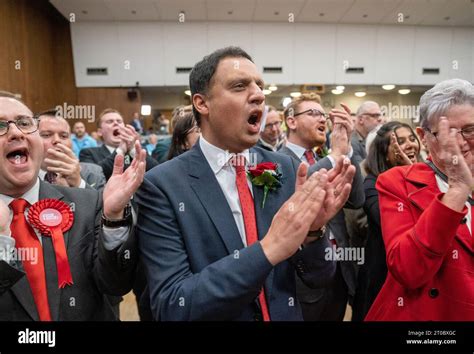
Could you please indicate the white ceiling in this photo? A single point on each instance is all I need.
(412, 12)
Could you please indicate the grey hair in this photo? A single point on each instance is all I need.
(363, 107)
(438, 100)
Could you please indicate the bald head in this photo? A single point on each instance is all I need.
(369, 116)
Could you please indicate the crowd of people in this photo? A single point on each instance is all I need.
(244, 212)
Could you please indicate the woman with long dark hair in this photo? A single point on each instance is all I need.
(185, 134)
(395, 144)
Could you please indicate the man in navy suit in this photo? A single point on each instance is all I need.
(194, 224)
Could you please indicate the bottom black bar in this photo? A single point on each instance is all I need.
(314, 337)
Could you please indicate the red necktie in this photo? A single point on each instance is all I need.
(26, 239)
(248, 212)
(309, 157)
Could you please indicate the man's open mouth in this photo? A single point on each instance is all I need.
(116, 132)
(322, 128)
(18, 156)
(254, 119)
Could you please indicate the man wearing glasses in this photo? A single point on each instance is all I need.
(369, 118)
(66, 279)
(271, 138)
(306, 122)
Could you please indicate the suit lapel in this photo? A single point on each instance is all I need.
(24, 296)
(422, 189)
(264, 216)
(207, 189)
(22, 288)
(104, 152)
(54, 293)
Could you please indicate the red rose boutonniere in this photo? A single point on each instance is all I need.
(266, 175)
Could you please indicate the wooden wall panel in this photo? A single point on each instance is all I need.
(36, 54)
(102, 98)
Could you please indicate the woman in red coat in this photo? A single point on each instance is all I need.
(426, 218)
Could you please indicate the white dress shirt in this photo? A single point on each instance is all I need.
(218, 160)
(299, 151)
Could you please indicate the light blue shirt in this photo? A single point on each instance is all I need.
(84, 143)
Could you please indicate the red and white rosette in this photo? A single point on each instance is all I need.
(52, 217)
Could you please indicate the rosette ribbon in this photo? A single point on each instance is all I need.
(52, 217)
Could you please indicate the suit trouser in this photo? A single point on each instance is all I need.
(331, 306)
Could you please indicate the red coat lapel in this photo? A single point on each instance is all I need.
(422, 189)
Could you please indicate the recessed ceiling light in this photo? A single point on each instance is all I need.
(145, 110)
(295, 94)
(187, 92)
(273, 87)
(404, 91)
(340, 88)
(360, 93)
(336, 92)
(286, 101)
(266, 91)
(388, 87)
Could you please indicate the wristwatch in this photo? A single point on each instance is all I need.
(125, 221)
(318, 234)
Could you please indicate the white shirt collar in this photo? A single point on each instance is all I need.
(216, 157)
(31, 196)
(110, 148)
(41, 174)
(298, 150)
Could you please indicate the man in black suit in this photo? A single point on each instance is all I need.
(306, 122)
(98, 253)
(117, 137)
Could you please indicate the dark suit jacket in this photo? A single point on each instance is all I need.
(358, 146)
(337, 224)
(373, 272)
(95, 270)
(197, 266)
(101, 156)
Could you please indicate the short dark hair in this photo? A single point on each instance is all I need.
(49, 112)
(203, 71)
(376, 161)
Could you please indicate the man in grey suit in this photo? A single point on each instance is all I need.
(63, 166)
(98, 253)
(306, 122)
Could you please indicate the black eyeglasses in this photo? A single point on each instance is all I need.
(374, 115)
(25, 124)
(271, 125)
(313, 113)
(467, 133)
